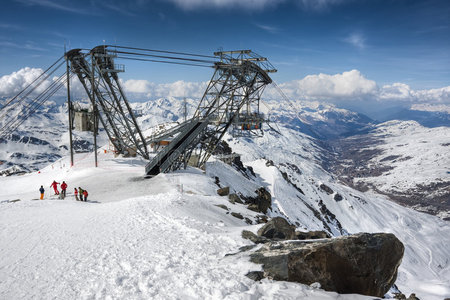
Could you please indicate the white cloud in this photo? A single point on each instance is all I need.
(255, 5)
(403, 92)
(248, 4)
(319, 5)
(145, 89)
(348, 85)
(58, 5)
(353, 86)
(342, 87)
(11, 85)
(357, 40)
(268, 28)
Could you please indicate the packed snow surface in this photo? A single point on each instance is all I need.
(133, 239)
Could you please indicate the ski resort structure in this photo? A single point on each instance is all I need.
(230, 101)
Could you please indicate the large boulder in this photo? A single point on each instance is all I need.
(223, 191)
(278, 228)
(362, 263)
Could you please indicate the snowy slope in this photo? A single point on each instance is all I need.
(41, 139)
(144, 239)
(402, 159)
(425, 268)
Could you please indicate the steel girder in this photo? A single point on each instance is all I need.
(98, 74)
(237, 83)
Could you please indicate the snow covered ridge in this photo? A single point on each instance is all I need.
(427, 107)
(42, 139)
(401, 159)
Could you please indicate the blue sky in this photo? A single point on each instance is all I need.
(385, 41)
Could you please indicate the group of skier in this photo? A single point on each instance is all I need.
(80, 194)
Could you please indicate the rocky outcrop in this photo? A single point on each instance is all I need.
(264, 200)
(278, 228)
(362, 263)
(326, 189)
(253, 237)
(311, 235)
(338, 197)
(237, 215)
(223, 191)
(234, 198)
(261, 203)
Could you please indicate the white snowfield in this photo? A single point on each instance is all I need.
(411, 146)
(133, 239)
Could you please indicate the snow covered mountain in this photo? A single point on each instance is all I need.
(41, 139)
(402, 159)
(319, 120)
(166, 238)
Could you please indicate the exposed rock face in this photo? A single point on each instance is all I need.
(362, 263)
(278, 228)
(311, 235)
(223, 191)
(326, 189)
(234, 198)
(253, 237)
(264, 200)
(237, 215)
(261, 203)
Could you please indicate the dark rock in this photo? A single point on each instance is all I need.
(248, 221)
(278, 228)
(269, 163)
(234, 198)
(222, 206)
(222, 148)
(326, 189)
(253, 237)
(237, 215)
(261, 203)
(338, 197)
(264, 200)
(311, 235)
(223, 191)
(217, 181)
(399, 296)
(253, 207)
(260, 219)
(412, 297)
(246, 248)
(362, 263)
(255, 275)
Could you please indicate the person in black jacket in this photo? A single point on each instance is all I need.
(42, 192)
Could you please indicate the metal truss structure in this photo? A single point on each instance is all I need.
(231, 98)
(98, 75)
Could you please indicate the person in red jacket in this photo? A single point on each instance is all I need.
(85, 194)
(54, 185)
(75, 191)
(63, 189)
